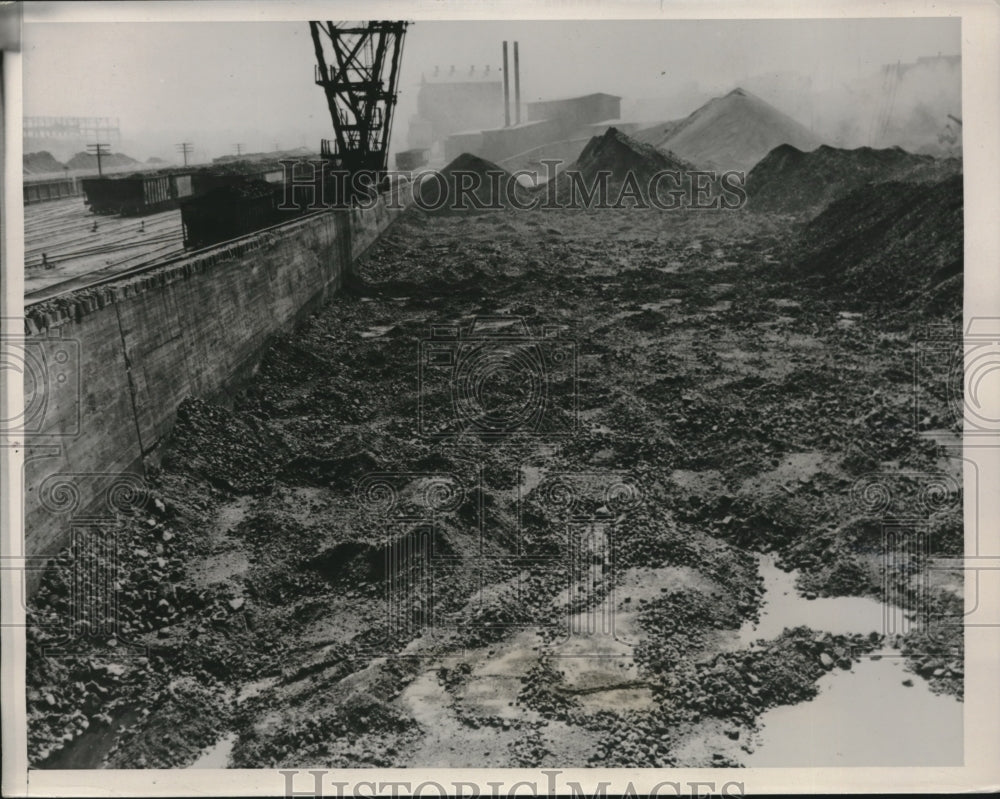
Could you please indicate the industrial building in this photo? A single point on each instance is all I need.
(447, 104)
(65, 136)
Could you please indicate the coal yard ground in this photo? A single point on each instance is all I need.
(330, 573)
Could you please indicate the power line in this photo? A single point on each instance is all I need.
(186, 148)
(99, 150)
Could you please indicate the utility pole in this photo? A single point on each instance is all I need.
(186, 148)
(99, 150)
(506, 89)
(239, 150)
(517, 88)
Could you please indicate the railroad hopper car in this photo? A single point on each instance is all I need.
(233, 210)
(137, 194)
(145, 194)
(205, 180)
(39, 191)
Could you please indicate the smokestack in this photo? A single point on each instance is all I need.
(506, 89)
(517, 88)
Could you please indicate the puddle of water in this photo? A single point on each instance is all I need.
(847, 318)
(865, 717)
(532, 476)
(251, 689)
(658, 306)
(217, 755)
(783, 606)
(496, 680)
(597, 662)
(377, 331)
(783, 302)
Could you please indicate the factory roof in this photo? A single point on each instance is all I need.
(577, 97)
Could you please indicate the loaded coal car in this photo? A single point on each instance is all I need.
(107, 195)
(39, 191)
(236, 209)
(204, 180)
(136, 194)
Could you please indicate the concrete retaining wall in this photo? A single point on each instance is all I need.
(106, 368)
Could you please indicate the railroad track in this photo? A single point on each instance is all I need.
(114, 273)
(69, 233)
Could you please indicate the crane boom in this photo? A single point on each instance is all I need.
(358, 68)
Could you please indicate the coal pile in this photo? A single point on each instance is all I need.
(269, 156)
(891, 245)
(620, 154)
(41, 163)
(625, 163)
(730, 132)
(226, 450)
(789, 180)
(236, 208)
(89, 161)
(241, 167)
(469, 184)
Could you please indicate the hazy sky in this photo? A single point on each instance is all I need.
(220, 83)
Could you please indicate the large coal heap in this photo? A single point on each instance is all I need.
(631, 168)
(41, 163)
(791, 181)
(899, 244)
(620, 154)
(730, 132)
(469, 184)
(89, 161)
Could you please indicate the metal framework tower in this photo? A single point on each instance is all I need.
(359, 78)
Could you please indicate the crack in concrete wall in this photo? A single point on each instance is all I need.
(193, 328)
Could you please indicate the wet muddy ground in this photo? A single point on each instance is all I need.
(329, 572)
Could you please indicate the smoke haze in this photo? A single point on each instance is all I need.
(219, 84)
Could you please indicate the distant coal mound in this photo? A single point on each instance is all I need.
(469, 184)
(729, 133)
(788, 180)
(272, 155)
(624, 165)
(620, 154)
(897, 245)
(89, 161)
(41, 163)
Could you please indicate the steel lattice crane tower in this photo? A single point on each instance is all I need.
(359, 78)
